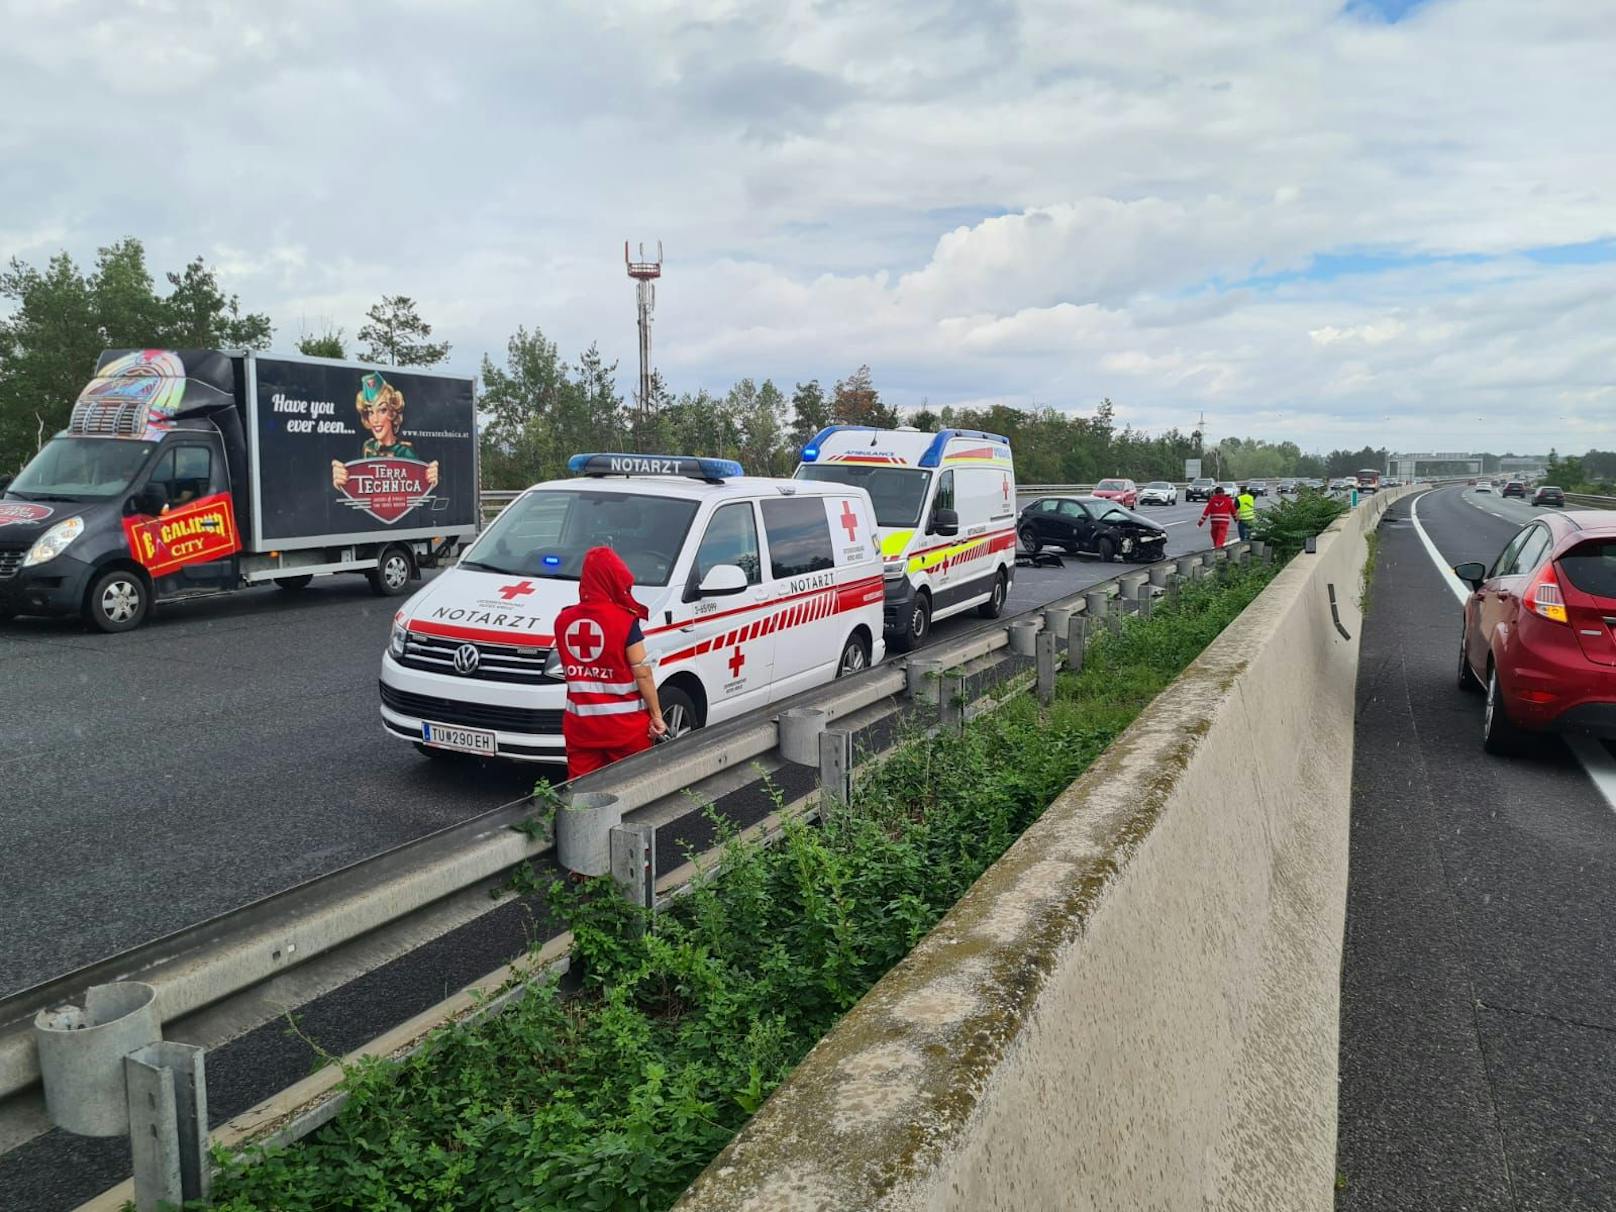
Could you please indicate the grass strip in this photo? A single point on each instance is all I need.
(617, 1096)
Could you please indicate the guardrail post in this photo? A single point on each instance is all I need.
(633, 854)
(168, 1125)
(1160, 575)
(923, 680)
(1023, 637)
(583, 826)
(951, 705)
(1046, 666)
(1077, 637)
(81, 1055)
(1147, 604)
(799, 734)
(836, 766)
(1056, 621)
(1261, 551)
(1096, 605)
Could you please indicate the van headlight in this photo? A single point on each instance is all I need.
(53, 542)
(552, 666)
(395, 642)
(894, 570)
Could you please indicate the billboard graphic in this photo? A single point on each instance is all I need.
(194, 533)
(348, 451)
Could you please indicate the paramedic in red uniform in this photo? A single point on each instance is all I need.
(1220, 507)
(612, 709)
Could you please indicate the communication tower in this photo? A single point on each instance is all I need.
(645, 273)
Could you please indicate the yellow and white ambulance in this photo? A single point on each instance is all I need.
(757, 589)
(945, 508)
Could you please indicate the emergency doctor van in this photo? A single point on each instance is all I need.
(757, 589)
(945, 506)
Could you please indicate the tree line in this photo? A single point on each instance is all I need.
(537, 408)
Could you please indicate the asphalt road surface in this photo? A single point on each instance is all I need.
(1478, 1021)
(230, 749)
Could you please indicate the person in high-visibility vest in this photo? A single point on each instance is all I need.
(1245, 511)
(612, 709)
(1220, 507)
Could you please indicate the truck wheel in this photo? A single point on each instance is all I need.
(678, 711)
(391, 576)
(994, 606)
(855, 657)
(117, 601)
(912, 636)
(294, 584)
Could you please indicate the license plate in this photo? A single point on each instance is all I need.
(466, 740)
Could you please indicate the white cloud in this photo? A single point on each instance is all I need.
(1043, 200)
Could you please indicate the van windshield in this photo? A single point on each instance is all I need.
(896, 492)
(81, 467)
(546, 533)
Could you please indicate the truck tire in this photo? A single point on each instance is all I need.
(294, 584)
(391, 576)
(678, 711)
(916, 630)
(118, 601)
(994, 606)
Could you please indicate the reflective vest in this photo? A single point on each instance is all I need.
(604, 707)
(1248, 507)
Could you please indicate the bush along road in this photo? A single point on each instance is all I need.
(615, 1095)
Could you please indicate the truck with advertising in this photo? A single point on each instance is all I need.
(186, 473)
(755, 589)
(945, 506)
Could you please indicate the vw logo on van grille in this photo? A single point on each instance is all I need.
(466, 658)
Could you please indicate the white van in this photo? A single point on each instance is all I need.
(945, 504)
(757, 588)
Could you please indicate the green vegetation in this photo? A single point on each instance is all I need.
(617, 1096)
(1287, 523)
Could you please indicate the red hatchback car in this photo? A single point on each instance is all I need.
(1540, 630)
(1124, 492)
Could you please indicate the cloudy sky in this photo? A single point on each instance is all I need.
(1390, 222)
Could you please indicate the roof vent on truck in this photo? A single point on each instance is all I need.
(711, 471)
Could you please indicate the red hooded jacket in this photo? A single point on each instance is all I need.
(604, 707)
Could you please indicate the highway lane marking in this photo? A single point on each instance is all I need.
(1595, 759)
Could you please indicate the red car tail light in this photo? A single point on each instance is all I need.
(1543, 598)
(1588, 586)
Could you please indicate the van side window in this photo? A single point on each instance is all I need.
(731, 538)
(799, 536)
(183, 474)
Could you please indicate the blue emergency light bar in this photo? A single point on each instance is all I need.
(713, 471)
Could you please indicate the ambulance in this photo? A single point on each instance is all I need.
(757, 589)
(945, 507)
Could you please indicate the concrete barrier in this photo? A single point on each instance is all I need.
(1137, 1006)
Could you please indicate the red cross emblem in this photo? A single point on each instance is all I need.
(586, 640)
(1007, 488)
(849, 522)
(512, 592)
(737, 661)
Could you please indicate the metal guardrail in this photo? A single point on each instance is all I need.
(1583, 500)
(230, 955)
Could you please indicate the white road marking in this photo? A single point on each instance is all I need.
(1595, 758)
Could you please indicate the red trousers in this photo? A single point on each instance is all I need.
(1220, 531)
(582, 761)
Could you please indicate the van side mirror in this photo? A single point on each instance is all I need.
(1472, 573)
(148, 501)
(944, 522)
(722, 580)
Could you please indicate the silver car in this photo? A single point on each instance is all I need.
(1158, 492)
